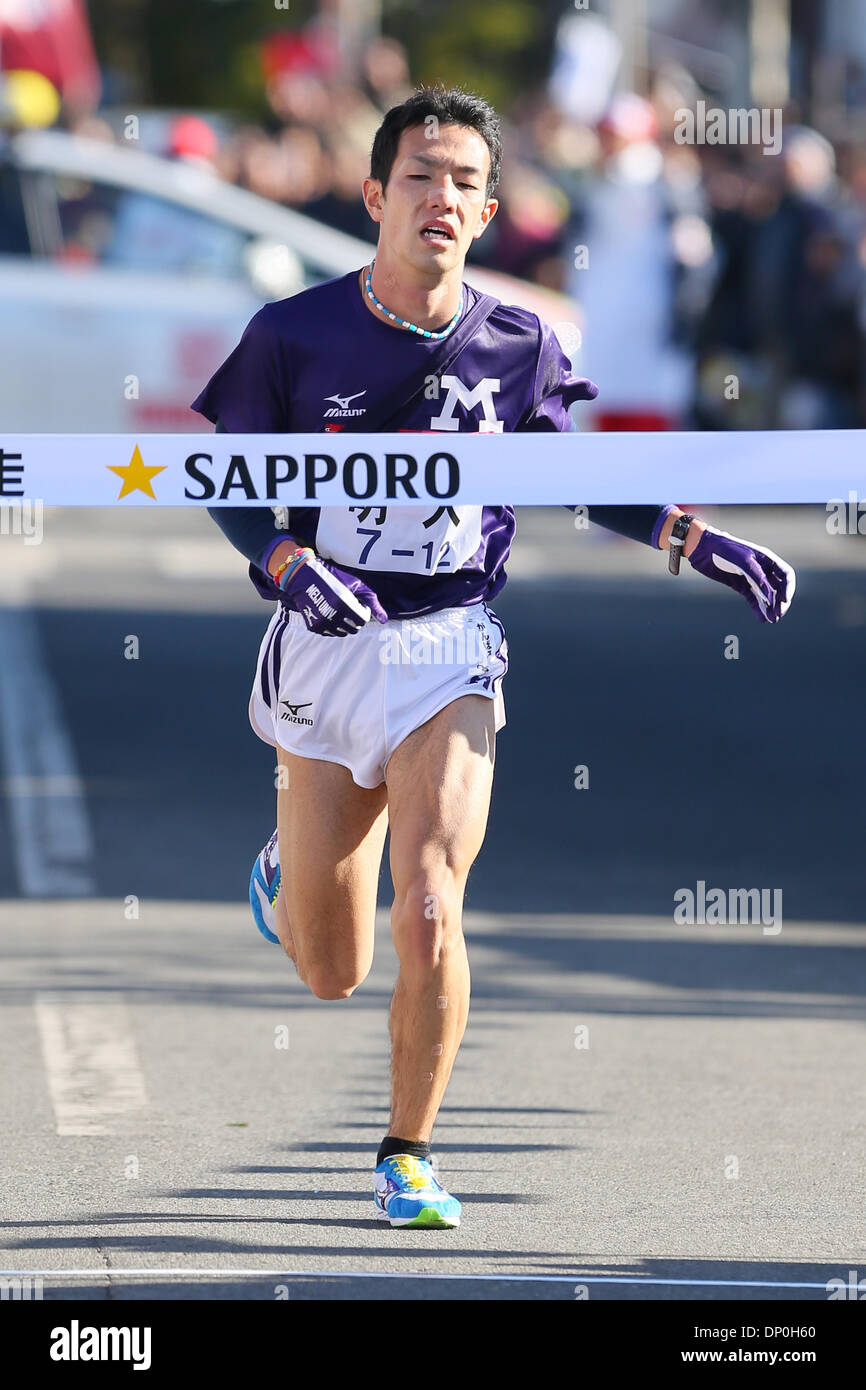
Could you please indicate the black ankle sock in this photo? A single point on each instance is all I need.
(390, 1146)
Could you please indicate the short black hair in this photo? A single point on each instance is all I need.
(450, 106)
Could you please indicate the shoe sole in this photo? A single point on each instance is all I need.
(427, 1217)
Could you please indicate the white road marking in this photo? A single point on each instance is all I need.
(91, 1060)
(50, 833)
(576, 1278)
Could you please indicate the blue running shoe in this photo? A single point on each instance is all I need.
(407, 1194)
(264, 888)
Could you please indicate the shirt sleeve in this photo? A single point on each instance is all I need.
(556, 388)
(249, 392)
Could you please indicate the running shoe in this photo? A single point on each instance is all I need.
(264, 890)
(407, 1194)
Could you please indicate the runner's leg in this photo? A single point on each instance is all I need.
(439, 781)
(331, 836)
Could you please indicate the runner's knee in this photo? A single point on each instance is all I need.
(328, 977)
(328, 984)
(426, 919)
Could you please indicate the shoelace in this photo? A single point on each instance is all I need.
(411, 1171)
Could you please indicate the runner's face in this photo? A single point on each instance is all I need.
(438, 179)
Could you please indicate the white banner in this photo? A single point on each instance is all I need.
(336, 470)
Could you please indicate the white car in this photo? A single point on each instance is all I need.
(126, 279)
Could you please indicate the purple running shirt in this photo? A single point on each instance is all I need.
(320, 361)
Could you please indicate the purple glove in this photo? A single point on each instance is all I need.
(766, 582)
(330, 601)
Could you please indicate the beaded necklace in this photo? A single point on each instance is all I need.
(404, 323)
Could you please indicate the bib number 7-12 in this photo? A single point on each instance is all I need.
(408, 540)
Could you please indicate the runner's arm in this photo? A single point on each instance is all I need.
(249, 394)
(555, 389)
(763, 578)
(652, 525)
(251, 531)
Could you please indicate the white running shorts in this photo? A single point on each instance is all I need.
(352, 700)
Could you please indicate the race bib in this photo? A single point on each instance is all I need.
(408, 540)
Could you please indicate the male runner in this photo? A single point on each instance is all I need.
(396, 726)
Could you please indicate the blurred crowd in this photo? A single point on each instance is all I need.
(719, 286)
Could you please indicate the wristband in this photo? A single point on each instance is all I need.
(283, 573)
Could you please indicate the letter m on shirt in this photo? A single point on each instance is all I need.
(482, 395)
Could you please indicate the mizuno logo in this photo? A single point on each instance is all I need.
(341, 406)
(291, 712)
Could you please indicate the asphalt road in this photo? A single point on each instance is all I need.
(703, 1136)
